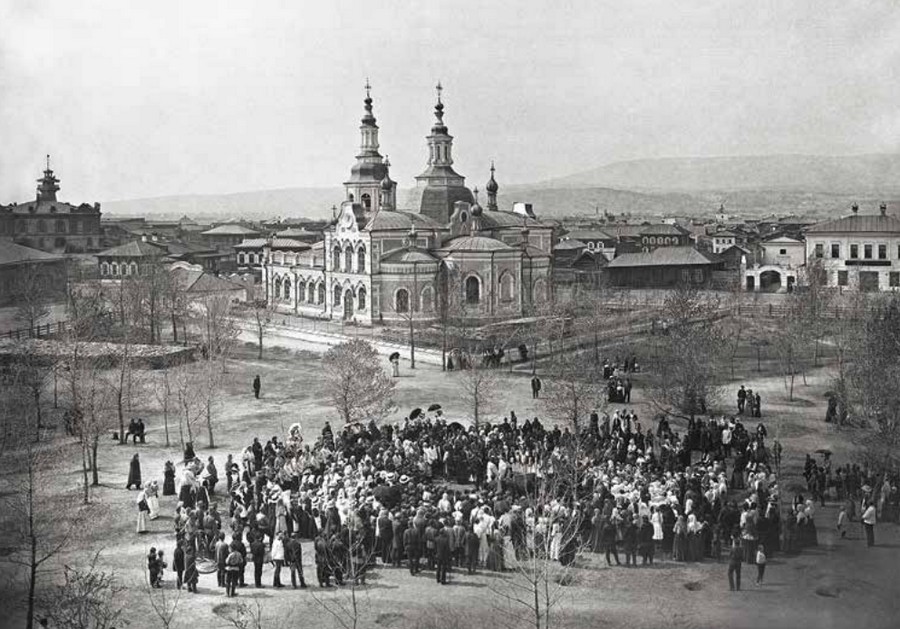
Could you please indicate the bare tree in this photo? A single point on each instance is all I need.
(219, 332)
(358, 386)
(689, 352)
(32, 293)
(87, 599)
(347, 606)
(573, 388)
(39, 519)
(252, 616)
(163, 602)
(479, 382)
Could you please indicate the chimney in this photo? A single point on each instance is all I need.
(855, 208)
(883, 208)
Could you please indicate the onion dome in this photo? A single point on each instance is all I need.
(492, 186)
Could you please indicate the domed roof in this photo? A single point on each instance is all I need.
(386, 183)
(476, 243)
(476, 209)
(407, 255)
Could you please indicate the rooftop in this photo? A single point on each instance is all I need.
(230, 229)
(858, 223)
(133, 249)
(664, 256)
(475, 243)
(11, 253)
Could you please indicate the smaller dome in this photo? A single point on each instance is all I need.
(492, 185)
(386, 183)
(476, 209)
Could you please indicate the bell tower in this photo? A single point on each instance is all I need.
(364, 186)
(48, 186)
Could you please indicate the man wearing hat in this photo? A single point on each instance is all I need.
(412, 542)
(441, 553)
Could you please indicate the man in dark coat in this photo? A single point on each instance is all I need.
(323, 572)
(293, 555)
(178, 562)
(535, 387)
(442, 554)
(412, 542)
(734, 565)
(472, 543)
(257, 385)
(221, 555)
(258, 554)
(385, 537)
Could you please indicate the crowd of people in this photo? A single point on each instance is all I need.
(435, 495)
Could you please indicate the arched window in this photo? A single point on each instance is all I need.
(134, 268)
(277, 288)
(310, 293)
(287, 289)
(336, 259)
(41, 226)
(241, 258)
(507, 287)
(60, 226)
(401, 301)
(348, 260)
(427, 299)
(337, 295)
(361, 259)
(301, 291)
(361, 298)
(321, 299)
(115, 268)
(104, 268)
(366, 201)
(473, 290)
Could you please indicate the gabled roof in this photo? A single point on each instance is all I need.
(564, 245)
(858, 223)
(289, 243)
(251, 243)
(11, 253)
(497, 218)
(665, 256)
(588, 234)
(782, 240)
(133, 249)
(202, 282)
(230, 229)
(385, 220)
(407, 255)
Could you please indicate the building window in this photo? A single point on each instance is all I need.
(41, 226)
(287, 289)
(867, 252)
(854, 252)
(401, 301)
(60, 227)
(311, 293)
(894, 279)
(348, 259)
(820, 250)
(842, 278)
(337, 295)
(367, 201)
(277, 288)
(882, 252)
(361, 298)
(507, 287)
(473, 290)
(835, 250)
(241, 258)
(104, 268)
(321, 299)
(336, 260)
(783, 252)
(301, 291)
(361, 260)
(114, 268)
(426, 299)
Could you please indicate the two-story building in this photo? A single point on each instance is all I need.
(858, 252)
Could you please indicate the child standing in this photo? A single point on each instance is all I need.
(760, 564)
(842, 521)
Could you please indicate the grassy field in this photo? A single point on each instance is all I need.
(839, 584)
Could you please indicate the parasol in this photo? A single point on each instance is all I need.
(394, 356)
(413, 414)
(824, 451)
(434, 407)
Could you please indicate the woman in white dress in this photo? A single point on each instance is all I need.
(656, 521)
(143, 508)
(153, 499)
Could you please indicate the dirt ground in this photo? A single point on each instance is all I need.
(840, 583)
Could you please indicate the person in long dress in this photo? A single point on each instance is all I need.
(143, 508)
(169, 479)
(152, 492)
(134, 473)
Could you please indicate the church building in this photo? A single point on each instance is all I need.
(444, 254)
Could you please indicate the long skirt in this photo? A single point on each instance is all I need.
(153, 503)
(680, 547)
(142, 522)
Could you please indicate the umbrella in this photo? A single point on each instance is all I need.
(434, 407)
(824, 451)
(455, 426)
(394, 356)
(413, 414)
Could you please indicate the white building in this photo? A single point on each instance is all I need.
(858, 252)
(783, 251)
(723, 240)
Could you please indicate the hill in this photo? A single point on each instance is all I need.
(874, 173)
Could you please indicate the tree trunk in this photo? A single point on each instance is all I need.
(174, 329)
(84, 472)
(209, 428)
(95, 469)
(32, 576)
(259, 332)
(37, 407)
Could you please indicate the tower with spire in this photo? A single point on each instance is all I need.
(48, 186)
(492, 188)
(439, 187)
(370, 170)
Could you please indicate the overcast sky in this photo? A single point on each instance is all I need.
(157, 98)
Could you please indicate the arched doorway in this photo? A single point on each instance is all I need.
(473, 290)
(348, 304)
(770, 281)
